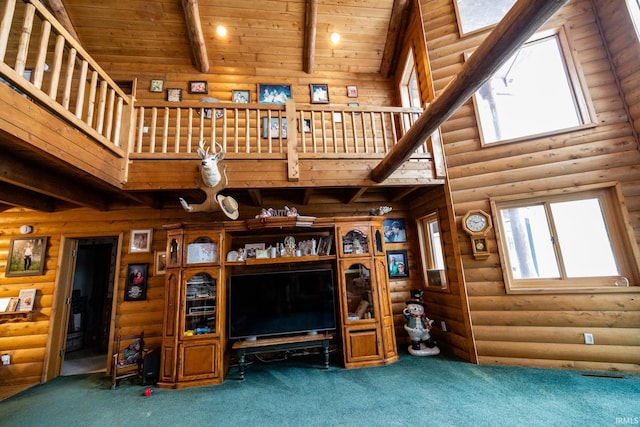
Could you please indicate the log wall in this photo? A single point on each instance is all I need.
(26, 341)
(546, 330)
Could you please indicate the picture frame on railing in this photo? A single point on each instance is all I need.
(174, 94)
(27, 256)
(241, 96)
(156, 85)
(198, 86)
(319, 93)
(275, 127)
(352, 91)
(273, 94)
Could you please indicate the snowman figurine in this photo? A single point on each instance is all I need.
(418, 327)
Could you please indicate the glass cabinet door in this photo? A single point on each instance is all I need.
(201, 250)
(174, 246)
(200, 304)
(358, 292)
(353, 243)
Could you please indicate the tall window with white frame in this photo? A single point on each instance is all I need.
(476, 15)
(565, 241)
(432, 251)
(537, 92)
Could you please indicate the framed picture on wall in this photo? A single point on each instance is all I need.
(275, 127)
(156, 85)
(394, 231)
(241, 96)
(160, 263)
(27, 256)
(319, 93)
(140, 241)
(174, 94)
(352, 91)
(397, 263)
(273, 94)
(136, 287)
(198, 86)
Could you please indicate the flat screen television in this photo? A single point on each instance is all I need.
(280, 303)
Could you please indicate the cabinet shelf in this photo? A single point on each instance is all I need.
(282, 260)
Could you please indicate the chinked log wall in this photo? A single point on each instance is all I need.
(546, 330)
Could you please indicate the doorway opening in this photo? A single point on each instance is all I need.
(90, 305)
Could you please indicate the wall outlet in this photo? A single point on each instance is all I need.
(443, 325)
(6, 359)
(145, 129)
(588, 338)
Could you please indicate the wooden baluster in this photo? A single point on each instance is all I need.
(213, 126)
(140, 130)
(110, 103)
(71, 63)
(374, 131)
(281, 128)
(394, 130)
(102, 104)
(38, 72)
(165, 132)
(118, 124)
(385, 137)
(324, 130)
(200, 129)
(258, 127)
(5, 26)
(25, 36)
(268, 129)
(344, 131)
(189, 128)
(247, 127)
(82, 83)
(154, 126)
(92, 98)
(314, 138)
(56, 68)
(302, 135)
(224, 127)
(176, 148)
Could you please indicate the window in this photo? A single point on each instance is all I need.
(475, 15)
(536, 92)
(634, 11)
(565, 241)
(432, 251)
(409, 90)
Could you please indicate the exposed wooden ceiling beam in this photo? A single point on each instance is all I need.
(196, 37)
(520, 23)
(16, 196)
(395, 34)
(19, 172)
(307, 196)
(400, 194)
(58, 10)
(310, 29)
(256, 197)
(356, 194)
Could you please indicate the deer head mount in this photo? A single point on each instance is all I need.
(213, 182)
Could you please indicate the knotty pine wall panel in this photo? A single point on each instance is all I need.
(606, 152)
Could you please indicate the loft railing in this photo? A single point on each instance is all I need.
(39, 58)
(175, 128)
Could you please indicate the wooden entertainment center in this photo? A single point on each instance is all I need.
(201, 259)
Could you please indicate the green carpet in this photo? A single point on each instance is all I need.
(431, 391)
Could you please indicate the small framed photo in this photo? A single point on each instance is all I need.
(394, 231)
(27, 256)
(354, 104)
(324, 245)
(274, 126)
(273, 94)
(140, 241)
(136, 287)
(262, 253)
(156, 85)
(160, 266)
(241, 96)
(198, 86)
(250, 249)
(306, 126)
(319, 93)
(337, 117)
(352, 91)
(174, 94)
(397, 263)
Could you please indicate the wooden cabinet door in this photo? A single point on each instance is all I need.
(198, 360)
(362, 347)
(386, 310)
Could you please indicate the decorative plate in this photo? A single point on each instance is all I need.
(232, 256)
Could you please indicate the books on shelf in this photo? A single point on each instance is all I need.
(23, 302)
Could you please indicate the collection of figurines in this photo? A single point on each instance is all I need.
(288, 248)
(418, 326)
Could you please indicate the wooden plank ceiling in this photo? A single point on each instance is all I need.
(278, 32)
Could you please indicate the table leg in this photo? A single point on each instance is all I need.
(325, 351)
(241, 363)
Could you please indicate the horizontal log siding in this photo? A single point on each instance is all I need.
(26, 341)
(624, 48)
(545, 330)
(451, 305)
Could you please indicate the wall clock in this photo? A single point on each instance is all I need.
(477, 223)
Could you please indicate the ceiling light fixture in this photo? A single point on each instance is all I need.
(335, 38)
(221, 30)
